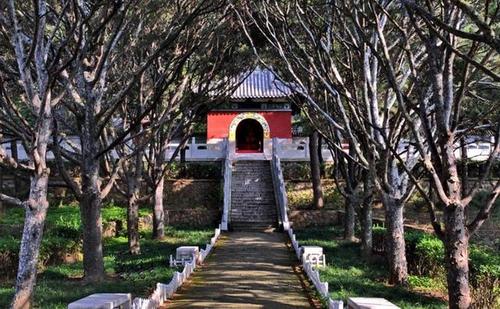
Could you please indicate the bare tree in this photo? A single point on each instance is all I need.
(334, 44)
(34, 39)
(457, 64)
(180, 92)
(97, 90)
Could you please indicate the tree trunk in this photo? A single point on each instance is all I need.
(315, 170)
(395, 241)
(36, 212)
(15, 157)
(366, 216)
(158, 212)
(134, 177)
(133, 222)
(90, 206)
(350, 217)
(320, 156)
(367, 227)
(183, 154)
(464, 171)
(457, 256)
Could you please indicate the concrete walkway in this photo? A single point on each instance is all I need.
(246, 270)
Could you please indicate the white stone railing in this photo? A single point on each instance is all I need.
(228, 175)
(289, 149)
(297, 149)
(279, 187)
(213, 151)
(166, 291)
(294, 149)
(313, 275)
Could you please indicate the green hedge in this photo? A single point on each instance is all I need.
(302, 170)
(195, 170)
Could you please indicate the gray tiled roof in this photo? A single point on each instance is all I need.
(261, 84)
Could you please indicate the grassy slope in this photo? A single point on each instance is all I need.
(60, 284)
(349, 276)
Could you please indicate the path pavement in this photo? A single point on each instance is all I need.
(246, 270)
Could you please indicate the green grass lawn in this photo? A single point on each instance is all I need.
(58, 285)
(348, 275)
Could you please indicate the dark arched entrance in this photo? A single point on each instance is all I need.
(249, 136)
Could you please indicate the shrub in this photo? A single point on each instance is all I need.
(429, 255)
(9, 247)
(378, 235)
(296, 171)
(485, 277)
(425, 256)
(424, 282)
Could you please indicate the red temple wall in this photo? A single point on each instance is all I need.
(280, 123)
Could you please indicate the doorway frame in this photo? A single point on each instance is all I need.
(260, 136)
(266, 153)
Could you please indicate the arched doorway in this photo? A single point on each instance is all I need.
(249, 136)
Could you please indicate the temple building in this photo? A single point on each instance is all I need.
(258, 110)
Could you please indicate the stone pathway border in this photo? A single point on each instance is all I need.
(313, 275)
(165, 291)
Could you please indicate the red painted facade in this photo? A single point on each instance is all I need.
(280, 123)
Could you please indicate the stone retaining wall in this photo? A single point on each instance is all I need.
(311, 218)
(193, 193)
(193, 217)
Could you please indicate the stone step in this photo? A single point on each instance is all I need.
(257, 214)
(253, 209)
(242, 192)
(256, 219)
(266, 213)
(252, 189)
(253, 216)
(252, 169)
(252, 175)
(252, 196)
(251, 180)
(252, 202)
(254, 213)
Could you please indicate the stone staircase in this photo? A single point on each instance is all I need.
(253, 205)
